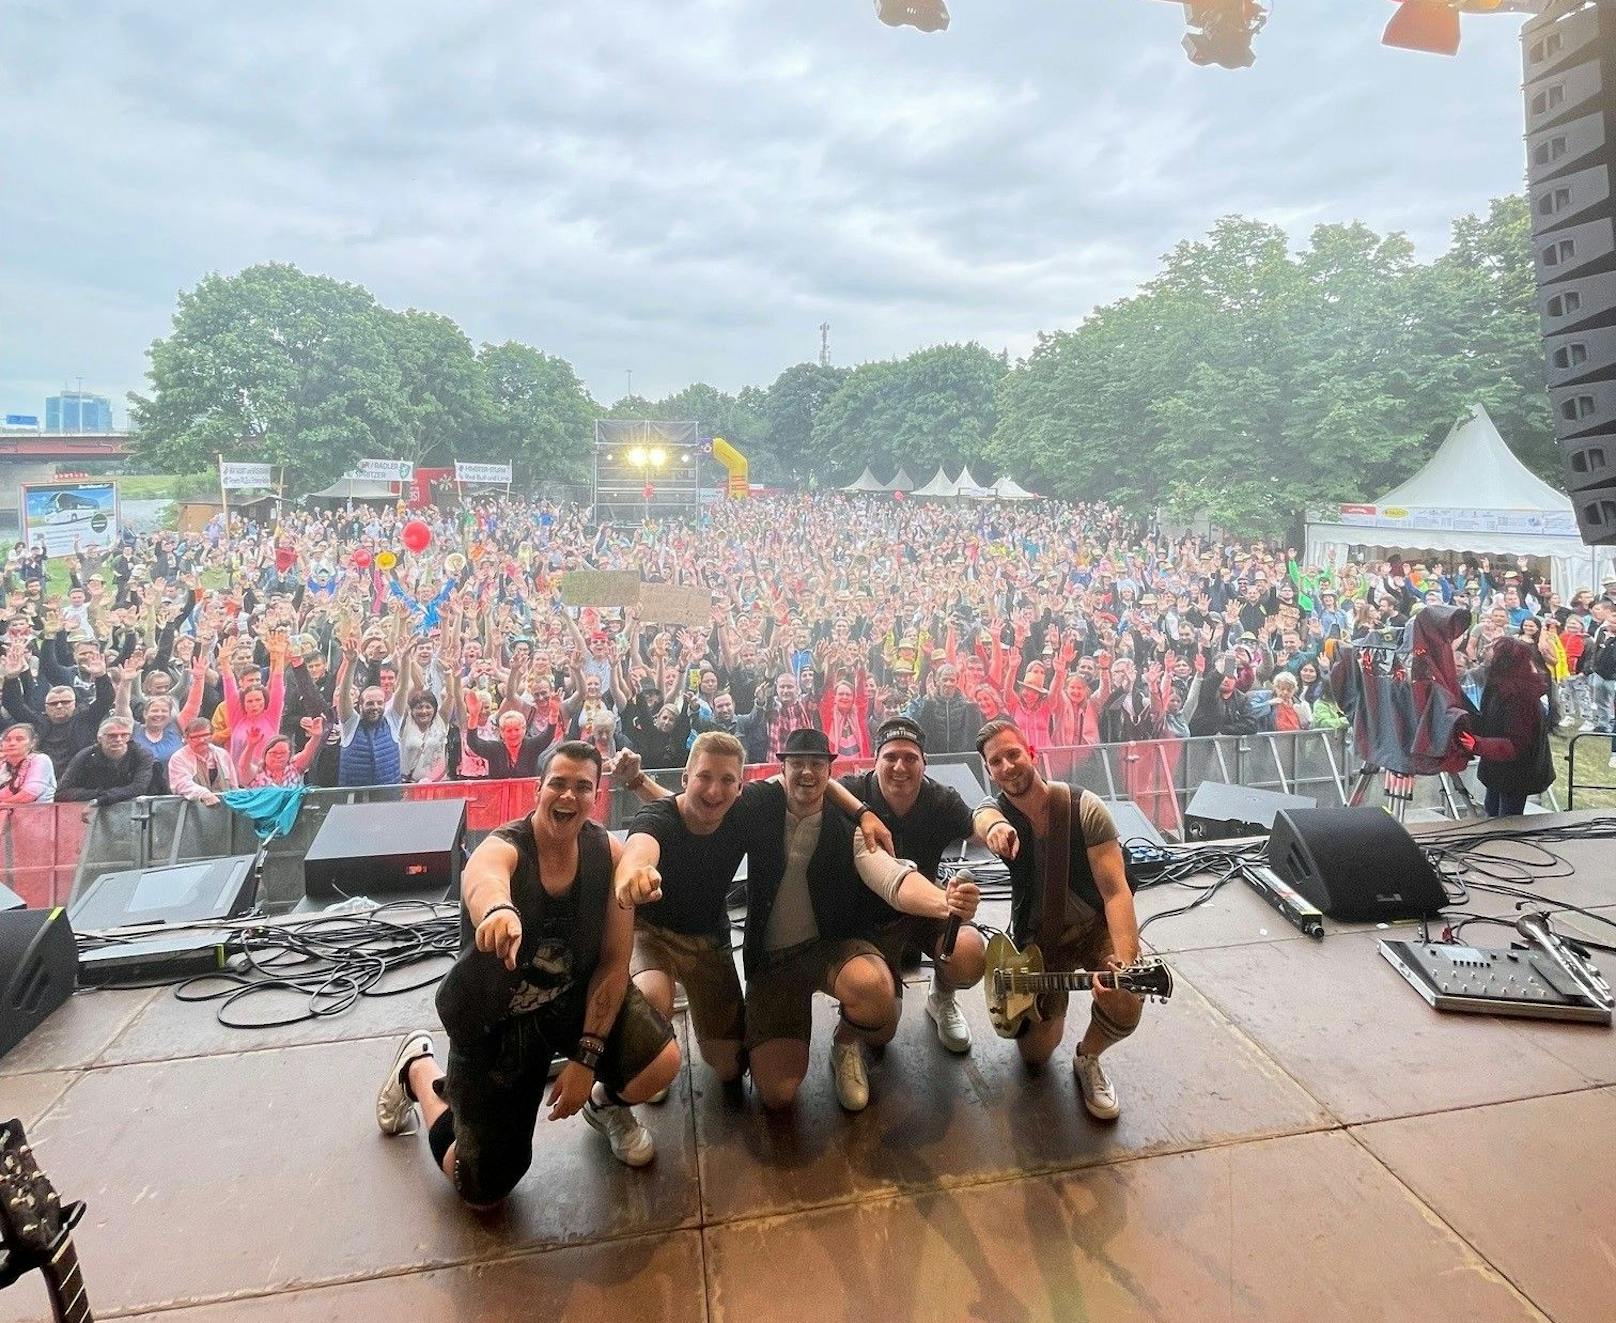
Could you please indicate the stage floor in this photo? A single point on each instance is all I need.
(1302, 1138)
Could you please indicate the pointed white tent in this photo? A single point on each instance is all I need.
(1008, 489)
(970, 488)
(940, 487)
(901, 482)
(1473, 495)
(865, 482)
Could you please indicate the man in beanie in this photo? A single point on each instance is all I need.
(925, 818)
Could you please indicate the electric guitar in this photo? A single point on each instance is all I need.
(1015, 979)
(36, 1229)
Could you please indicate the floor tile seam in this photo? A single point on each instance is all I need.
(1593, 1086)
(534, 1251)
(243, 1051)
(1452, 1230)
(954, 1185)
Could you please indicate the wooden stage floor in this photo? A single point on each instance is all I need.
(1302, 1138)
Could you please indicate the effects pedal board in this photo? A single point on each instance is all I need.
(1487, 982)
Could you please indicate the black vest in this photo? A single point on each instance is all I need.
(477, 991)
(843, 906)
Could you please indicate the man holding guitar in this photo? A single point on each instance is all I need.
(1085, 920)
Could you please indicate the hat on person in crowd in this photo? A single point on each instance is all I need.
(907, 643)
(903, 668)
(900, 728)
(806, 742)
(1247, 637)
(1149, 599)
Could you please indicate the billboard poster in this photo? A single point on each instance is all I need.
(385, 470)
(70, 516)
(484, 473)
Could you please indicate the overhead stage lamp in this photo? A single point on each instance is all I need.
(1432, 26)
(927, 15)
(658, 457)
(636, 457)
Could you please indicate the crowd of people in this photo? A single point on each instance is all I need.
(261, 655)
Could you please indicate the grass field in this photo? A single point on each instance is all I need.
(1593, 757)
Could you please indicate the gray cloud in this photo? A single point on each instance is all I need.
(688, 187)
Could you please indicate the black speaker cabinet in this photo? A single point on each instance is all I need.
(1217, 810)
(38, 967)
(380, 850)
(1356, 864)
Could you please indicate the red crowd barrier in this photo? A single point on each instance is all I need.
(39, 850)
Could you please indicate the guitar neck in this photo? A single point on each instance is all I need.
(70, 1302)
(1076, 981)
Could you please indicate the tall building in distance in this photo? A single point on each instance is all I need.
(78, 411)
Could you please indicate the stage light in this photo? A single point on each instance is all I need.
(684, 457)
(636, 457)
(1221, 31)
(658, 457)
(927, 15)
(1424, 25)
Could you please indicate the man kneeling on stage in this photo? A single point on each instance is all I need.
(543, 972)
(1066, 834)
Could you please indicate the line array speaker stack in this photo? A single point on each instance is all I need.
(1569, 59)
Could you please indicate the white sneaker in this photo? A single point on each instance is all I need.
(847, 1069)
(1098, 1094)
(631, 1142)
(1612, 762)
(395, 1109)
(952, 1030)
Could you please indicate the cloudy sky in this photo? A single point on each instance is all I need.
(687, 188)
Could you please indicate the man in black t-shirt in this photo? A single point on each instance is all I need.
(683, 852)
(1099, 928)
(925, 818)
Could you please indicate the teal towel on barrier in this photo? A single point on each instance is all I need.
(273, 809)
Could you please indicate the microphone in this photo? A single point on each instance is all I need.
(951, 932)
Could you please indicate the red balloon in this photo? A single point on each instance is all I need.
(417, 536)
(361, 558)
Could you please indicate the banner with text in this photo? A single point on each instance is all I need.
(489, 473)
(385, 470)
(237, 477)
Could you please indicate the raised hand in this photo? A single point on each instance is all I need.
(640, 886)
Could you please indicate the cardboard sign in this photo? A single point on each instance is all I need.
(600, 588)
(666, 604)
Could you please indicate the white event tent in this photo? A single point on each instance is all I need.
(1473, 495)
(901, 481)
(940, 487)
(1008, 489)
(866, 482)
(969, 487)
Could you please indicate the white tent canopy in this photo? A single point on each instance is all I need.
(1008, 489)
(356, 489)
(969, 487)
(939, 487)
(901, 481)
(865, 482)
(1473, 495)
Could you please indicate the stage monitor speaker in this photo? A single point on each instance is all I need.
(1218, 810)
(178, 894)
(1356, 864)
(1133, 827)
(1569, 61)
(10, 900)
(381, 850)
(38, 968)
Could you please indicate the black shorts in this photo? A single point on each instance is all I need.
(495, 1084)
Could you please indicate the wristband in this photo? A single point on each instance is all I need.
(587, 1057)
(861, 809)
(495, 909)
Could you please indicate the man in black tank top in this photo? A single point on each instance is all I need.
(1100, 929)
(543, 972)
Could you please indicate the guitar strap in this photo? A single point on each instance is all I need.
(1057, 865)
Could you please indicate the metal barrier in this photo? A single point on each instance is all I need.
(46, 849)
(1605, 793)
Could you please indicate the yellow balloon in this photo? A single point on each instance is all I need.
(386, 560)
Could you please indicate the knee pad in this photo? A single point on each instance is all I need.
(441, 1136)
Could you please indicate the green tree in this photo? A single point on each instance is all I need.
(935, 407)
(447, 411)
(541, 419)
(271, 365)
(789, 409)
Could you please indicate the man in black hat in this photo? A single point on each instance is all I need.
(817, 896)
(925, 818)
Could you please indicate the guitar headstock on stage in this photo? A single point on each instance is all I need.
(1147, 978)
(36, 1228)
